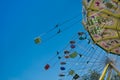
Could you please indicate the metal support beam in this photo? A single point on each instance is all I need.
(104, 72)
(113, 66)
(109, 74)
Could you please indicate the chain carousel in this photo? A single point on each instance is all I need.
(96, 49)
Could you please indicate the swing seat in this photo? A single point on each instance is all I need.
(71, 72)
(47, 66)
(37, 40)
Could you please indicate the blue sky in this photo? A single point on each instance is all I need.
(21, 21)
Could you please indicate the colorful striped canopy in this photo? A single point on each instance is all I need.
(102, 21)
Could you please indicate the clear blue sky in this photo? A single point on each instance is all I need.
(20, 22)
